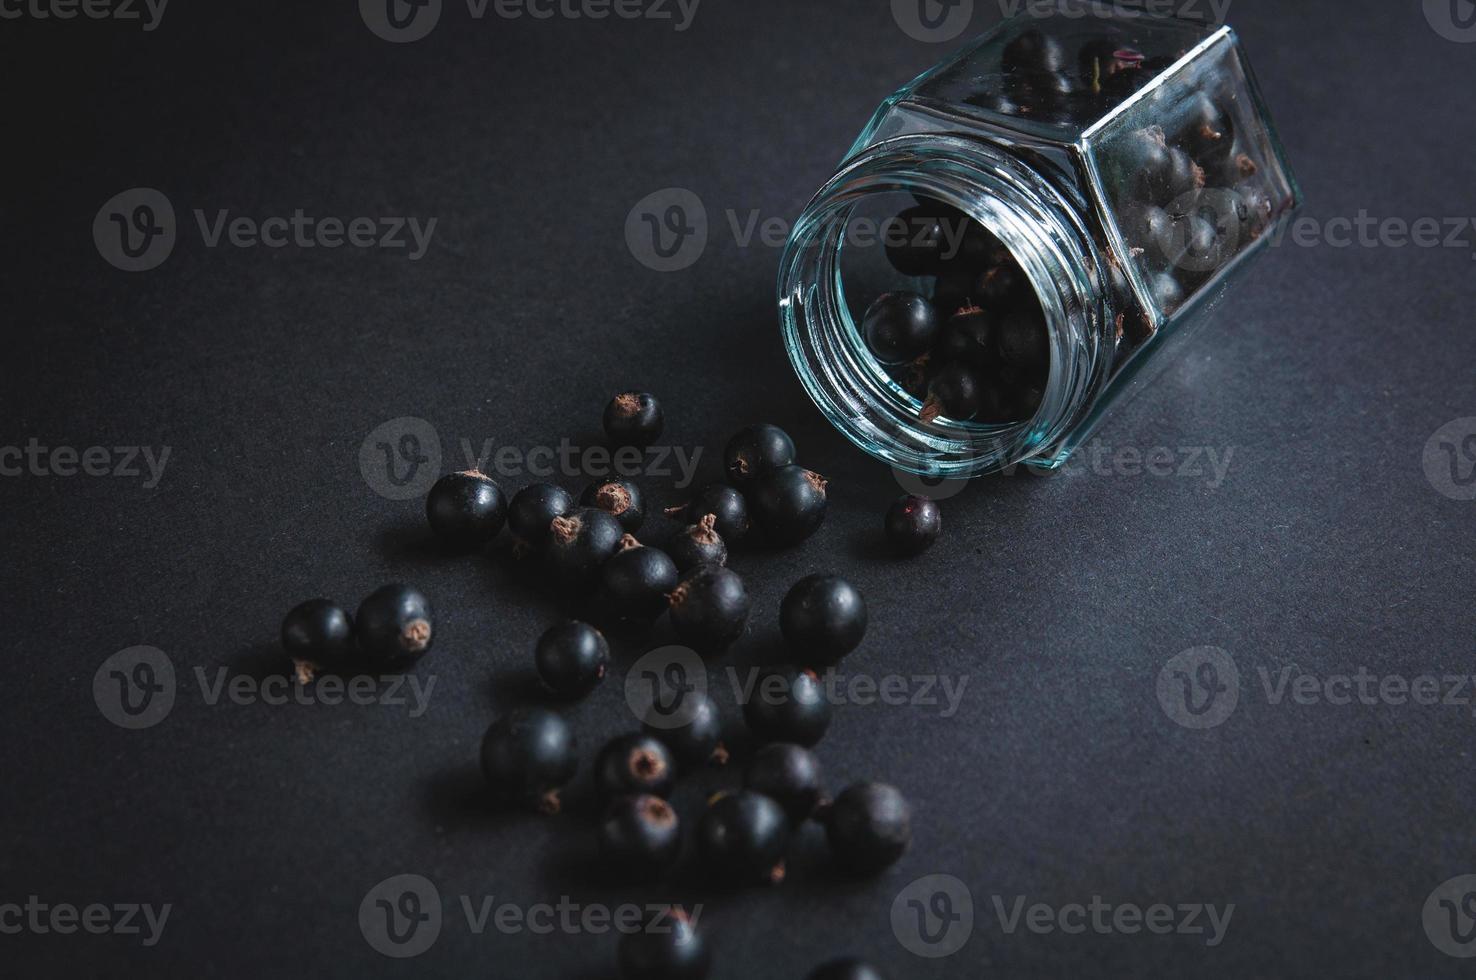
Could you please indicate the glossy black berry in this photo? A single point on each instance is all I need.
(640, 835)
(743, 838)
(913, 525)
(1023, 339)
(533, 509)
(787, 704)
(1167, 292)
(528, 756)
(698, 544)
(955, 392)
(823, 618)
(1034, 51)
(789, 505)
(633, 419)
(899, 326)
(1181, 176)
(755, 452)
(918, 241)
(1209, 131)
(394, 626)
(790, 775)
(999, 285)
(691, 727)
(465, 510)
(727, 506)
(869, 826)
(634, 764)
(635, 582)
(846, 969)
(572, 658)
(580, 543)
(318, 635)
(968, 338)
(709, 608)
(667, 947)
(621, 499)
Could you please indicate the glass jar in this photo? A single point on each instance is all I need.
(1018, 233)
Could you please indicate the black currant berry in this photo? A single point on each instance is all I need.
(667, 947)
(394, 626)
(1034, 51)
(917, 241)
(533, 509)
(725, 504)
(913, 524)
(698, 544)
(956, 392)
(869, 826)
(757, 451)
(823, 618)
(709, 608)
(846, 969)
(999, 284)
(1024, 342)
(640, 835)
(789, 505)
(466, 510)
(318, 635)
(1167, 292)
(968, 338)
(621, 499)
(572, 658)
(1181, 176)
(528, 756)
(634, 764)
(1147, 227)
(635, 582)
(633, 419)
(692, 729)
(790, 775)
(580, 543)
(787, 705)
(1209, 131)
(899, 327)
(743, 838)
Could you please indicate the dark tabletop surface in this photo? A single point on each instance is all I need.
(1326, 546)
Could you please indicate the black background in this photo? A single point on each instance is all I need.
(1059, 600)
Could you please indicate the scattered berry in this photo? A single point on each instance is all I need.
(743, 838)
(823, 618)
(846, 969)
(726, 505)
(394, 626)
(667, 947)
(787, 705)
(709, 608)
(956, 392)
(318, 635)
(528, 756)
(466, 510)
(869, 826)
(899, 326)
(572, 658)
(913, 524)
(533, 509)
(692, 729)
(790, 775)
(698, 544)
(635, 582)
(640, 835)
(633, 419)
(580, 543)
(789, 504)
(621, 499)
(632, 765)
(755, 452)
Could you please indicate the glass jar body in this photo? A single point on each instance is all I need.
(1123, 166)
